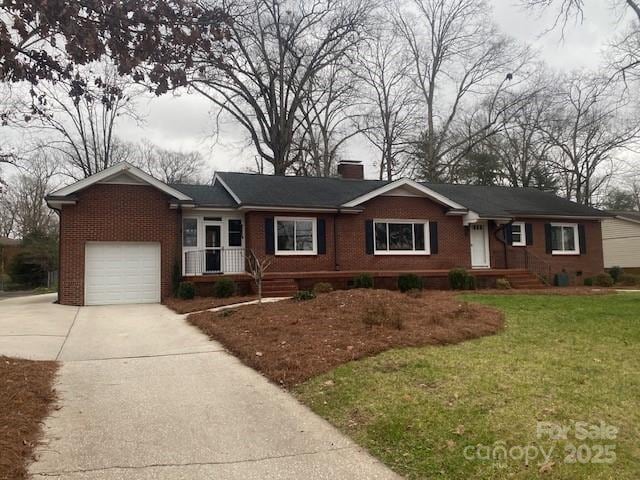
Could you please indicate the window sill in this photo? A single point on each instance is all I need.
(296, 254)
(412, 253)
(518, 244)
(561, 252)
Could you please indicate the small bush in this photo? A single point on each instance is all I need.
(409, 282)
(378, 314)
(616, 273)
(364, 280)
(303, 295)
(458, 278)
(224, 288)
(588, 282)
(503, 284)
(414, 293)
(603, 280)
(470, 283)
(185, 291)
(322, 287)
(629, 280)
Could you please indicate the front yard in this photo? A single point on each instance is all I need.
(471, 410)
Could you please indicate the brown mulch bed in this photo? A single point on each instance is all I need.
(291, 341)
(26, 397)
(198, 304)
(549, 291)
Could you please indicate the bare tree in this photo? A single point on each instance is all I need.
(81, 129)
(391, 97)
(592, 122)
(460, 61)
(328, 119)
(170, 166)
(277, 48)
(257, 267)
(24, 198)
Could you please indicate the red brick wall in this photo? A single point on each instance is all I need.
(350, 232)
(115, 213)
(589, 263)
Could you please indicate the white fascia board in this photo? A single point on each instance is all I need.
(218, 178)
(405, 182)
(121, 167)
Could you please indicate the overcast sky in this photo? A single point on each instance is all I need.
(186, 121)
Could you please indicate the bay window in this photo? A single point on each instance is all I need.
(295, 236)
(401, 237)
(564, 239)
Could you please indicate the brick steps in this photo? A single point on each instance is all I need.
(279, 287)
(524, 280)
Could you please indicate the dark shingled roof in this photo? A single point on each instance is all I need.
(214, 195)
(626, 214)
(316, 192)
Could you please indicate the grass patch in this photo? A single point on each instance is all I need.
(26, 397)
(560, 359)
(198, 304)
(291, 341)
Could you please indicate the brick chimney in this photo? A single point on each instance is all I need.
(351, 169)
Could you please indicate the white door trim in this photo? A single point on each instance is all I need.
(485, 229)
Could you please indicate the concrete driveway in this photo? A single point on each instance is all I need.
(146, 396)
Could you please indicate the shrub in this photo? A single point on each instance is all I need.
(379, 314)
(409, 282)
(629, 280)
(470, 283)
(458, 278)
(603, 280)
(224, 288)
(322, 287)
(503, 284)
(302, 295)
(185, 291)
(616, 273)
(588, 282)
(364, 280)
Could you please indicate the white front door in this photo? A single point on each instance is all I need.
(479, 245)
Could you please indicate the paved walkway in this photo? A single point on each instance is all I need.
(146, 396)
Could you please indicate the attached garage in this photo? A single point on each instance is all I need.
(122, 272)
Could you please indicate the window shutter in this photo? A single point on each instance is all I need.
(528, 231)
(433, 237)
(269, 236)
(508, 234)
(321, 233)
(582, 239)
(547, 237)
(368, 235)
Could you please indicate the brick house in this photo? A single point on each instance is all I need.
(126, 237)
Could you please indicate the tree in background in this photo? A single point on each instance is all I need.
(620, 200)
(170, 166)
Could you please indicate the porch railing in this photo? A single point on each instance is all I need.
(214, 260)
(523, 258)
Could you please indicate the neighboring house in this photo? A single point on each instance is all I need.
(125, 236)
(9, 248)
(621, 240)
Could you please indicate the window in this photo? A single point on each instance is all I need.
(190, 232)
(396, 237)
(295, 236)
(518, 234)
(235, 233)
(564, 239)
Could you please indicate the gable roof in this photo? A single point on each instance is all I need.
(264, 191)
(114, 171)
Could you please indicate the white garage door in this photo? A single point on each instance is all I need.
(122, 272)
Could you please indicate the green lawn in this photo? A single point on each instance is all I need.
(561, 359)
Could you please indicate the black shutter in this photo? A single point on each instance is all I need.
(322, 241)
(368, 235)
(528, 231)
(508, 234)
(582, 241)
(547, 238)
(433, 237)
(269, 236)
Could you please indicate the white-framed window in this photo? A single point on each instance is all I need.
(518, 234)
(401, 237)
(564, 239)
(295, 236)
(189, 232)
